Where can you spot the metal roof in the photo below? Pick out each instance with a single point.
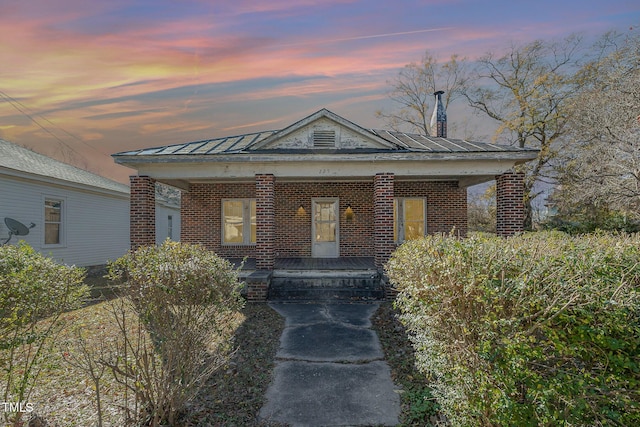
(20, 159)
(225, 145)
(400, 140)
(417, 142)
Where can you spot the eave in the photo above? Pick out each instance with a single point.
(467, 167)
(56, 182)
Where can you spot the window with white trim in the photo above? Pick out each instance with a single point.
(239, 221)
(409, 219)
(53, 221)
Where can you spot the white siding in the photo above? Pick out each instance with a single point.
(162, 222)
(303, 138)
(96, 226)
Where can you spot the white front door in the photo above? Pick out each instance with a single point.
(325, 229)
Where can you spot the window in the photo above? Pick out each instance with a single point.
(170, 226)
(53, 221)
(239, 221)
(408, 219)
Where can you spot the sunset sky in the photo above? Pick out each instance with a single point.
(82, 79)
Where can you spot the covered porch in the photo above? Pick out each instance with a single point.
(321, 195)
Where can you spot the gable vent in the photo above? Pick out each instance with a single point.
(324, 138)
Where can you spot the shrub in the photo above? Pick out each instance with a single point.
(184, 301)
(538, 329)
(34, 292)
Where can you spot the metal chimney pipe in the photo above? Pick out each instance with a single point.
(441, 116)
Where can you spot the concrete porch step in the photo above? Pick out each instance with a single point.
(318, 285)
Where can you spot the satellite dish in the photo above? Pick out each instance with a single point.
(16, 228)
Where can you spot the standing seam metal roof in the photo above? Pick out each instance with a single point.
(243, 143)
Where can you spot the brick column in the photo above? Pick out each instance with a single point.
(142, 211)
(265, 222)
(509, 203)
(383, 218)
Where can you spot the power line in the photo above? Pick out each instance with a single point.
(23, 109)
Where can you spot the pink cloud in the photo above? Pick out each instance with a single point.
(128, 84)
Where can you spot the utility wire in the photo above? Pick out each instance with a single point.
(23, 109)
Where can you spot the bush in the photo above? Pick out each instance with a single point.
(539, 329)
(185, 300)
(34, 292)
(589, 219)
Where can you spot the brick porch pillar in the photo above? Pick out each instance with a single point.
(509, 203)
(383, 218)
(258, 282)
(142, 211)
(265, 222)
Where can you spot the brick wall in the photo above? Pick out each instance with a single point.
(201, 211)
(293, 238)
(509, 203)
(142, 210)
(446, 204)
(200, 215)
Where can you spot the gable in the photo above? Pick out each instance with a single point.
(322, 134)
(323, 130)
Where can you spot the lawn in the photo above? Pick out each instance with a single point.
(65, 393)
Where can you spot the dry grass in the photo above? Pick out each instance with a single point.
(65, 394)
(418, 407)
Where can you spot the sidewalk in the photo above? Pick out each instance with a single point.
(330, 369)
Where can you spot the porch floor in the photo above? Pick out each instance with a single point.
(315, 279)
(344, 263)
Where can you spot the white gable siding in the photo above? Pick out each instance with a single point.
(303, 138)
(96, 226)
(162, 223)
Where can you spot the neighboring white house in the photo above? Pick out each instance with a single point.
(167, 219)
(80, 218)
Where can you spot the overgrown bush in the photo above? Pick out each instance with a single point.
(589, 219)
(185, 300)
(34, 292)
(539, 329)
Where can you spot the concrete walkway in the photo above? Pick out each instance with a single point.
(330, 369)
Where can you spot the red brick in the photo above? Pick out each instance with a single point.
(509, 203)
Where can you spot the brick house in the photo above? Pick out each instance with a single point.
(321, 188)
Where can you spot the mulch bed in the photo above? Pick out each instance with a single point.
(235, 394)
(418, 407)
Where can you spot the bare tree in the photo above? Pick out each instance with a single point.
(413, 90)
(602, 166)
(528, 91)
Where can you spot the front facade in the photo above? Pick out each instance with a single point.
(323, 219)
(323, 187)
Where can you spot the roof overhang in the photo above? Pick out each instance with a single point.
(468, 168)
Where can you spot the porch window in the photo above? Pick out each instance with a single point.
(409, 219)
(53, 221)
(239, 221)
